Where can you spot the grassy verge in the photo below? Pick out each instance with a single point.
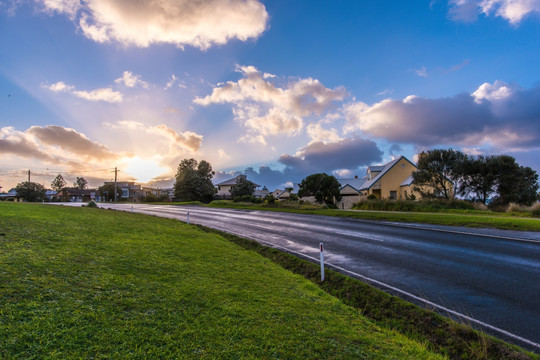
(91, 283)
(454, 218)
(454, 340)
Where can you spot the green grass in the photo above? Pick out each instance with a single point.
(468, 218)
(91, 283)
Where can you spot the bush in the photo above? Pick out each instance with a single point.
(248, 198)
(536, 210)
(426, 205)
(92, 204)
(269, 199)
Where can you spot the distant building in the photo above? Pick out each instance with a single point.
(77, 195)
(224, 187)
(130, 190)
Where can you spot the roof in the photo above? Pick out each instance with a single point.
(385, 169)
(355, 183)
(376, 168)
(408, 181)
(233, 181)
(76, 191)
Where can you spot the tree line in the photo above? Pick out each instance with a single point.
(495, 179)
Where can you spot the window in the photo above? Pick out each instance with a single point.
(393, 195)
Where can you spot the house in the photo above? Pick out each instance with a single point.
(261, 193)
(78, 195)
(350, 191)
(286, 194)
(157, 192)
(130, 190)
(224, 188)
(11, 195)
(392, 180)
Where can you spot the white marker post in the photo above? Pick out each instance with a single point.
(322, 262)
(188, 217)
(131, 208)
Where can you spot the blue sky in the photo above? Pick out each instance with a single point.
(277, 89)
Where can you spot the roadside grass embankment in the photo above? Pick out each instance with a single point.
(91, 283)
(441, 334)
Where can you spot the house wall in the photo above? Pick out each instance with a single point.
(347, 202)
(392, 180)
(224, 190)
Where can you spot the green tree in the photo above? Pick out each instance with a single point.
(80, 183)
(479, 177)
(325, 188)
(58, 183)
(107, 192)
(30, 191)
(515, 183)
(243, 187)
(440, 170)
(193, 181)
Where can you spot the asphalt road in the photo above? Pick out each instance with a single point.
(488, 278)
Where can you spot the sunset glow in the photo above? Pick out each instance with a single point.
(274, 89)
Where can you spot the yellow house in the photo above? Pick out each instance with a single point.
(392, 180)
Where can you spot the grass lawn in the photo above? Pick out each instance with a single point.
(90, 283)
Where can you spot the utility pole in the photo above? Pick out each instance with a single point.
(28, 175)
(115, 183)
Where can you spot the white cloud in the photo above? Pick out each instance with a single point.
(268, 109)
(512, 11)
(499, 90)
(421, 72)
(180, 22)
(223, 155)
(105, 94)
(318, 134)
(130, 80)
(59, 86)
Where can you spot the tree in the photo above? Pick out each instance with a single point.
(58, 183)
(107, 191)
(479, 177)
(193, 181)
(325, 188)
(30, 191)
(515, 183)
(242, 187)
(80, 183)
(439, 170)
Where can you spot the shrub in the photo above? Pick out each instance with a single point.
(269, 199)
(247, 198)
(514, 208)
(92, 204)
(150, 198)
(535, 210)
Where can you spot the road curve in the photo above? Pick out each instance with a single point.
(488, 278)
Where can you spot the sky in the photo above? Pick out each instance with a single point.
(277, 90)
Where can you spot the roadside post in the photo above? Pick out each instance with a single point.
(188, 217)
(322, 261)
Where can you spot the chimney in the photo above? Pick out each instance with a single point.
(356, 176)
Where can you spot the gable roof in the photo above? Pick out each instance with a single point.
(355, 183)
(234, 181)
(384, 170)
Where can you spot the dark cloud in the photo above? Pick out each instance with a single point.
(71, 141)
(495, 115)
(320, 157)
(22, 147)
(352, 154)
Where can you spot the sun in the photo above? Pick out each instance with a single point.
(143, 170)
